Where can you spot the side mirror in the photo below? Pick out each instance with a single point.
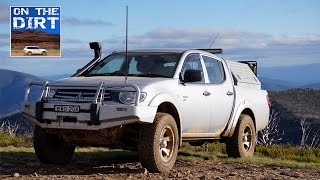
(192, 75)
(96, 46)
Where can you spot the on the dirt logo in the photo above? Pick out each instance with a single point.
(35, 31)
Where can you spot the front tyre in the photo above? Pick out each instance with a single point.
(158, 144)
(243, 141)
(51, 148)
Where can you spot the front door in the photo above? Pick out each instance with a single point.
(194, 102)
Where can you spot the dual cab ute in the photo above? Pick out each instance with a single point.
(149, 102)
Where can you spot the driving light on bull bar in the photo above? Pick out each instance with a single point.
(127, 97)
(51, 93)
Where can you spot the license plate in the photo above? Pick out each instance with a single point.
(68, 109)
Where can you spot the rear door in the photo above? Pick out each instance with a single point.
(220, 87)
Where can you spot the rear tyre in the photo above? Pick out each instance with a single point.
(158, 144)
(51, 148)
(29, 53)
(243, 141)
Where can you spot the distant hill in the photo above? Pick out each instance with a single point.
(312, 85)
(276, 85)
(56, 77)
(300, 74)
(294, 105)
(16, 118)
(280, 85)
(12, 89)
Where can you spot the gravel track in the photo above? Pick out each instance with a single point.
(31, 168)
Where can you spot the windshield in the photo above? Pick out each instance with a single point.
(140, 64)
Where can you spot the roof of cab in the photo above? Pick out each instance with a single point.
(168, 50)
(160, 50)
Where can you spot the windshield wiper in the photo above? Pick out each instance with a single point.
(107, 74)
(151, 75)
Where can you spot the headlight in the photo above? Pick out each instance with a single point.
(127, 97)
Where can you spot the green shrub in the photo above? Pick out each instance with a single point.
(17, 141)
(290, 153)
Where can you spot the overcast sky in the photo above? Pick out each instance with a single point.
(273, 32)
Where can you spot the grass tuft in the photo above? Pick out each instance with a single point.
(17, 141)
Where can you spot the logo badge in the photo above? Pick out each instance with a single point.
(80, 95)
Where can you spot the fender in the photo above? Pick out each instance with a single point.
(244, 104)
(164, 97)
(161, 98)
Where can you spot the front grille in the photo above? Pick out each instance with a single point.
(75, 95)
(78, 95)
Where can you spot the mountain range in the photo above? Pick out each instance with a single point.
(288, 77)
(13, 88)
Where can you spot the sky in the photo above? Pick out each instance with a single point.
(273, 32)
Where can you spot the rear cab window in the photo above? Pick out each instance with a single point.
(215, 70)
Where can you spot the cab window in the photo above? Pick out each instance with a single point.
(215, 70)
(193, 62)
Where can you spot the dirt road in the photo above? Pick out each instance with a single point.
(30, 168)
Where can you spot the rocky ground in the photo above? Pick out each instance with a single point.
(30, 168)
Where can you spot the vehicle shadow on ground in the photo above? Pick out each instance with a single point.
(83, 163)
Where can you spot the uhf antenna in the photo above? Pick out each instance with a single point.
(127, 60)
(214, 40)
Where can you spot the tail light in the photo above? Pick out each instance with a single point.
(268, 101)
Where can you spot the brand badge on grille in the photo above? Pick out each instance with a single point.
(79, 95)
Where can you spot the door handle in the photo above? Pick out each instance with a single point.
(206, 93)
(229, 93)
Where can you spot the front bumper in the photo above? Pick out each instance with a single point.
(91, 116)
(95, 114)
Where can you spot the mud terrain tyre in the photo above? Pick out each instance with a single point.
(50, 148)
(158, 144)
(243, 142)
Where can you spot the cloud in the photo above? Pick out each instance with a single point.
(270, 50)
(72, 41)
(85, 22)
(267, 49)
(4, 13)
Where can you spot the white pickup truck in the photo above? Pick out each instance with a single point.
(149, 101)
